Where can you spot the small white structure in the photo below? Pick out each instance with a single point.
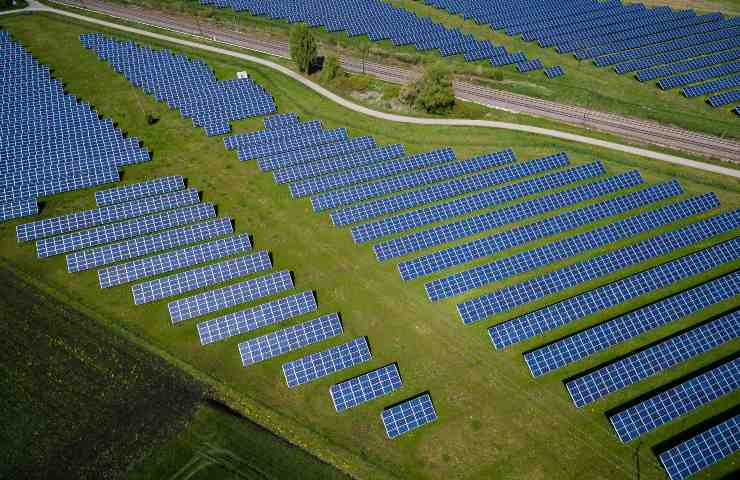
(242, 75)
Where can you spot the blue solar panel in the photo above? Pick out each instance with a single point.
(698, 75)
(668, 405)
(408, 415)
(281, 120)
(289, 339)
(262, 136)
(209, 275)
(257, 317)
(226, 297)
(713, 86)
(615, 293)
(366, 387)
(562, 249)
(486, 221)
(636, 367)
(105, 215)
(171, 261)
(725, 98)
(138, 247)
(556, 71)
(287, 144)
(446, 189)
(315, 153)
(47, 187)
(19, 208)
(496, 243)
(136, 191)
(326, 362)
(630, 325)
(702, 450)
(118, 231)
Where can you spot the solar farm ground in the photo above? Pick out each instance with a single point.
(584, 84)
(495, 420)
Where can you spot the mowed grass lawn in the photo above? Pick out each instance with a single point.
(495, 420)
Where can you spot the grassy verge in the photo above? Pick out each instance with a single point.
(584, 85)
(495, 421)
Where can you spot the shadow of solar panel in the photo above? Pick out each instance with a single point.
(365, 387)
(627, 371)
(315, 153)
(137, 191)
(17, 209)
(408, 415)
(326, 362)
(289, 339)
(445, 190)
(244, 321)
(669, 405)
(139, 247)
(502, 299)
(348, 195)
(286, 144)
(202, 277)
(578, 346)
(226, 297)
(119, 231)
(374, 172)
(702, 450)
(486, 221)
(245, 139)
(498, 242)
(171, 261)
(105, 215)
(615, 293)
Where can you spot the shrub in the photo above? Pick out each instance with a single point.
(303, 47)
(331, 69)
(391, 91)
(497, 75)
(435, 94)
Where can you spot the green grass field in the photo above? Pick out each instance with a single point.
(495, 420)
(583, 84)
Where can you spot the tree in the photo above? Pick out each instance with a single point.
(303, 47)
(435, 94)
(331, 69)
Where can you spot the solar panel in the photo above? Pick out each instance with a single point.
(365, 387)
(494, 244)
(281, 120)
(314, 153)
(289, 339)
(452, 231)
(571, 246)
(668, 405)
(244, 321)
(326, 362)
(286, 144)
(171, 261)
(118, 231)
(555, 71)
(19, 208)
(440, 191)
(139, 247)
(226, 297)
(580, 345)
(136, 191)
(179, 283)
(597, 384)
(702, 450)
(261, 136)
(73, 181)
(408, 415)
(105, 215)
(615, 293)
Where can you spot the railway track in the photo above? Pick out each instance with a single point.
(636, 130)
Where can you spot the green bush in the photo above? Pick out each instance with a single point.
(303, 47)
(497, 75)
(390, 92)
(331, 69)
(435, 91)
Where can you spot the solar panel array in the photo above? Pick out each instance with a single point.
(289, 143)
(615, 293)
(698, 75)
(230, 296)
(289, 339)
(702, 450)
(724, 98)
(620, 329)
(712, 87)
(314, 153)
(137, 191)
(51, 142)
(556, 71)
(189, 86)
(171, 261)
(408, 415)
(379, 21)
(180, 283)
(597, 384)
(365, 388)
(668, 405)
(261, 136)
(283, 120)
(326, 362)
(688, 66)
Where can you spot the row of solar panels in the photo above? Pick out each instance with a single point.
(50, 142)
(379, 21)
(397, 194)
(185, 85)
(165, 210)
